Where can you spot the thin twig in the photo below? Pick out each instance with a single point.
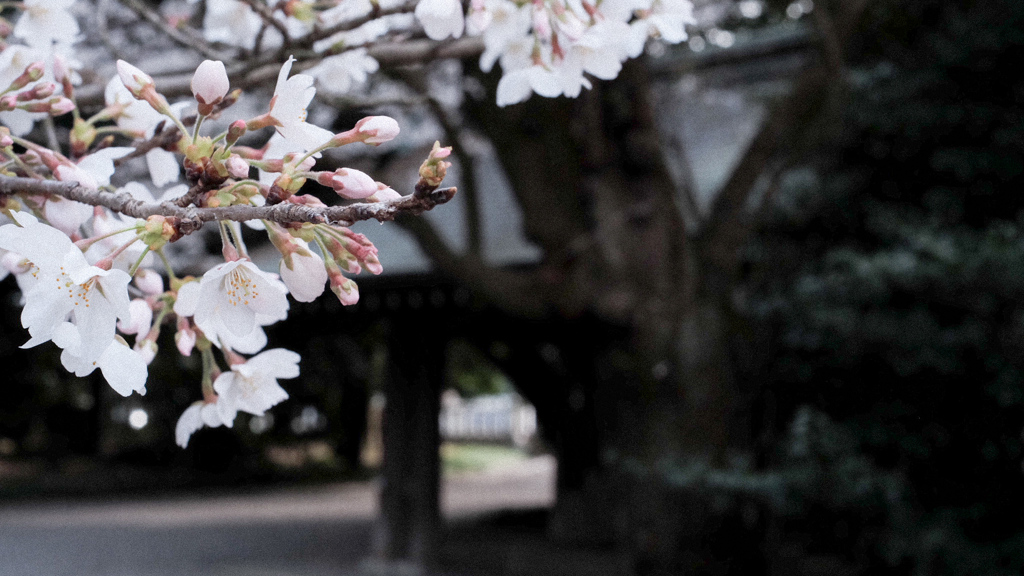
(189, 40)
(347, 25)
(267, 14)
(103, 30)
(474, 231)
(164, 136)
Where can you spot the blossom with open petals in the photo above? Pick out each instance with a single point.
(441, 18)
(252, 385)
(232, 301)
(66, 286)
(124, 369)
(46, 21)
(232, 22)
(140, 118)
(196, 416)
(288, 109)
(342, 73)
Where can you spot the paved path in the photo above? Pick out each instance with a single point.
(288, 532)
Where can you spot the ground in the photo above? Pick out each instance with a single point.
(495, 526)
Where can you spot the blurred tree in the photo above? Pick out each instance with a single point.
(634, 294)
(892, 271)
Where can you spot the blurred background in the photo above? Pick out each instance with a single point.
(754, 307)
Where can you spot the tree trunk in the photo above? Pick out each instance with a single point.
(661, 390)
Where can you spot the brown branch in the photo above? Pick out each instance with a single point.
(267, 14)
(729, 222)
(163, 137)
(347, 25)
(188, 40)
(193, 218)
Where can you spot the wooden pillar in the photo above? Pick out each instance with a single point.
(406, 534)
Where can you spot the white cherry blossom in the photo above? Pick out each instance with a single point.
(231, 301)
(94, 170)
(252, 385)
(343, 73)
(196, 416)
(303, 272)
(139, 117)
(288, 108)
(441, 18)
(66, 286)
(46, 21)
(507, 25)
(669, 18)
(231, 22)
(124, 369)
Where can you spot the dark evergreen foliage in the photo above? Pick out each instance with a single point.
(892, 274)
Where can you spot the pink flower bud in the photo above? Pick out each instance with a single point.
(148, 350)
(8, 102)
(384, 194)
(352, 184)
(373, 264)
(236, 131)
(35, 107)
(377, 129)
(346, 291)
(149, 282)
(134, 80)
(140, 318)
(33, 72)
(237, 167)
(541, 21)
(5, 138)
(61, 70)
(185, 337)
(210, 83)
(440, 153)
(43, 90)
(61, 106)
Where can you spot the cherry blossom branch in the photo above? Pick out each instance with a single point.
(163, 137)
(453, 134)
(192, 218)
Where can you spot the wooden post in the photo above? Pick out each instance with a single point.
(406, 534)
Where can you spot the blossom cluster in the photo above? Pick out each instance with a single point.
(96, 280)
(89, 279)
(547, 47)
(44, 35)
